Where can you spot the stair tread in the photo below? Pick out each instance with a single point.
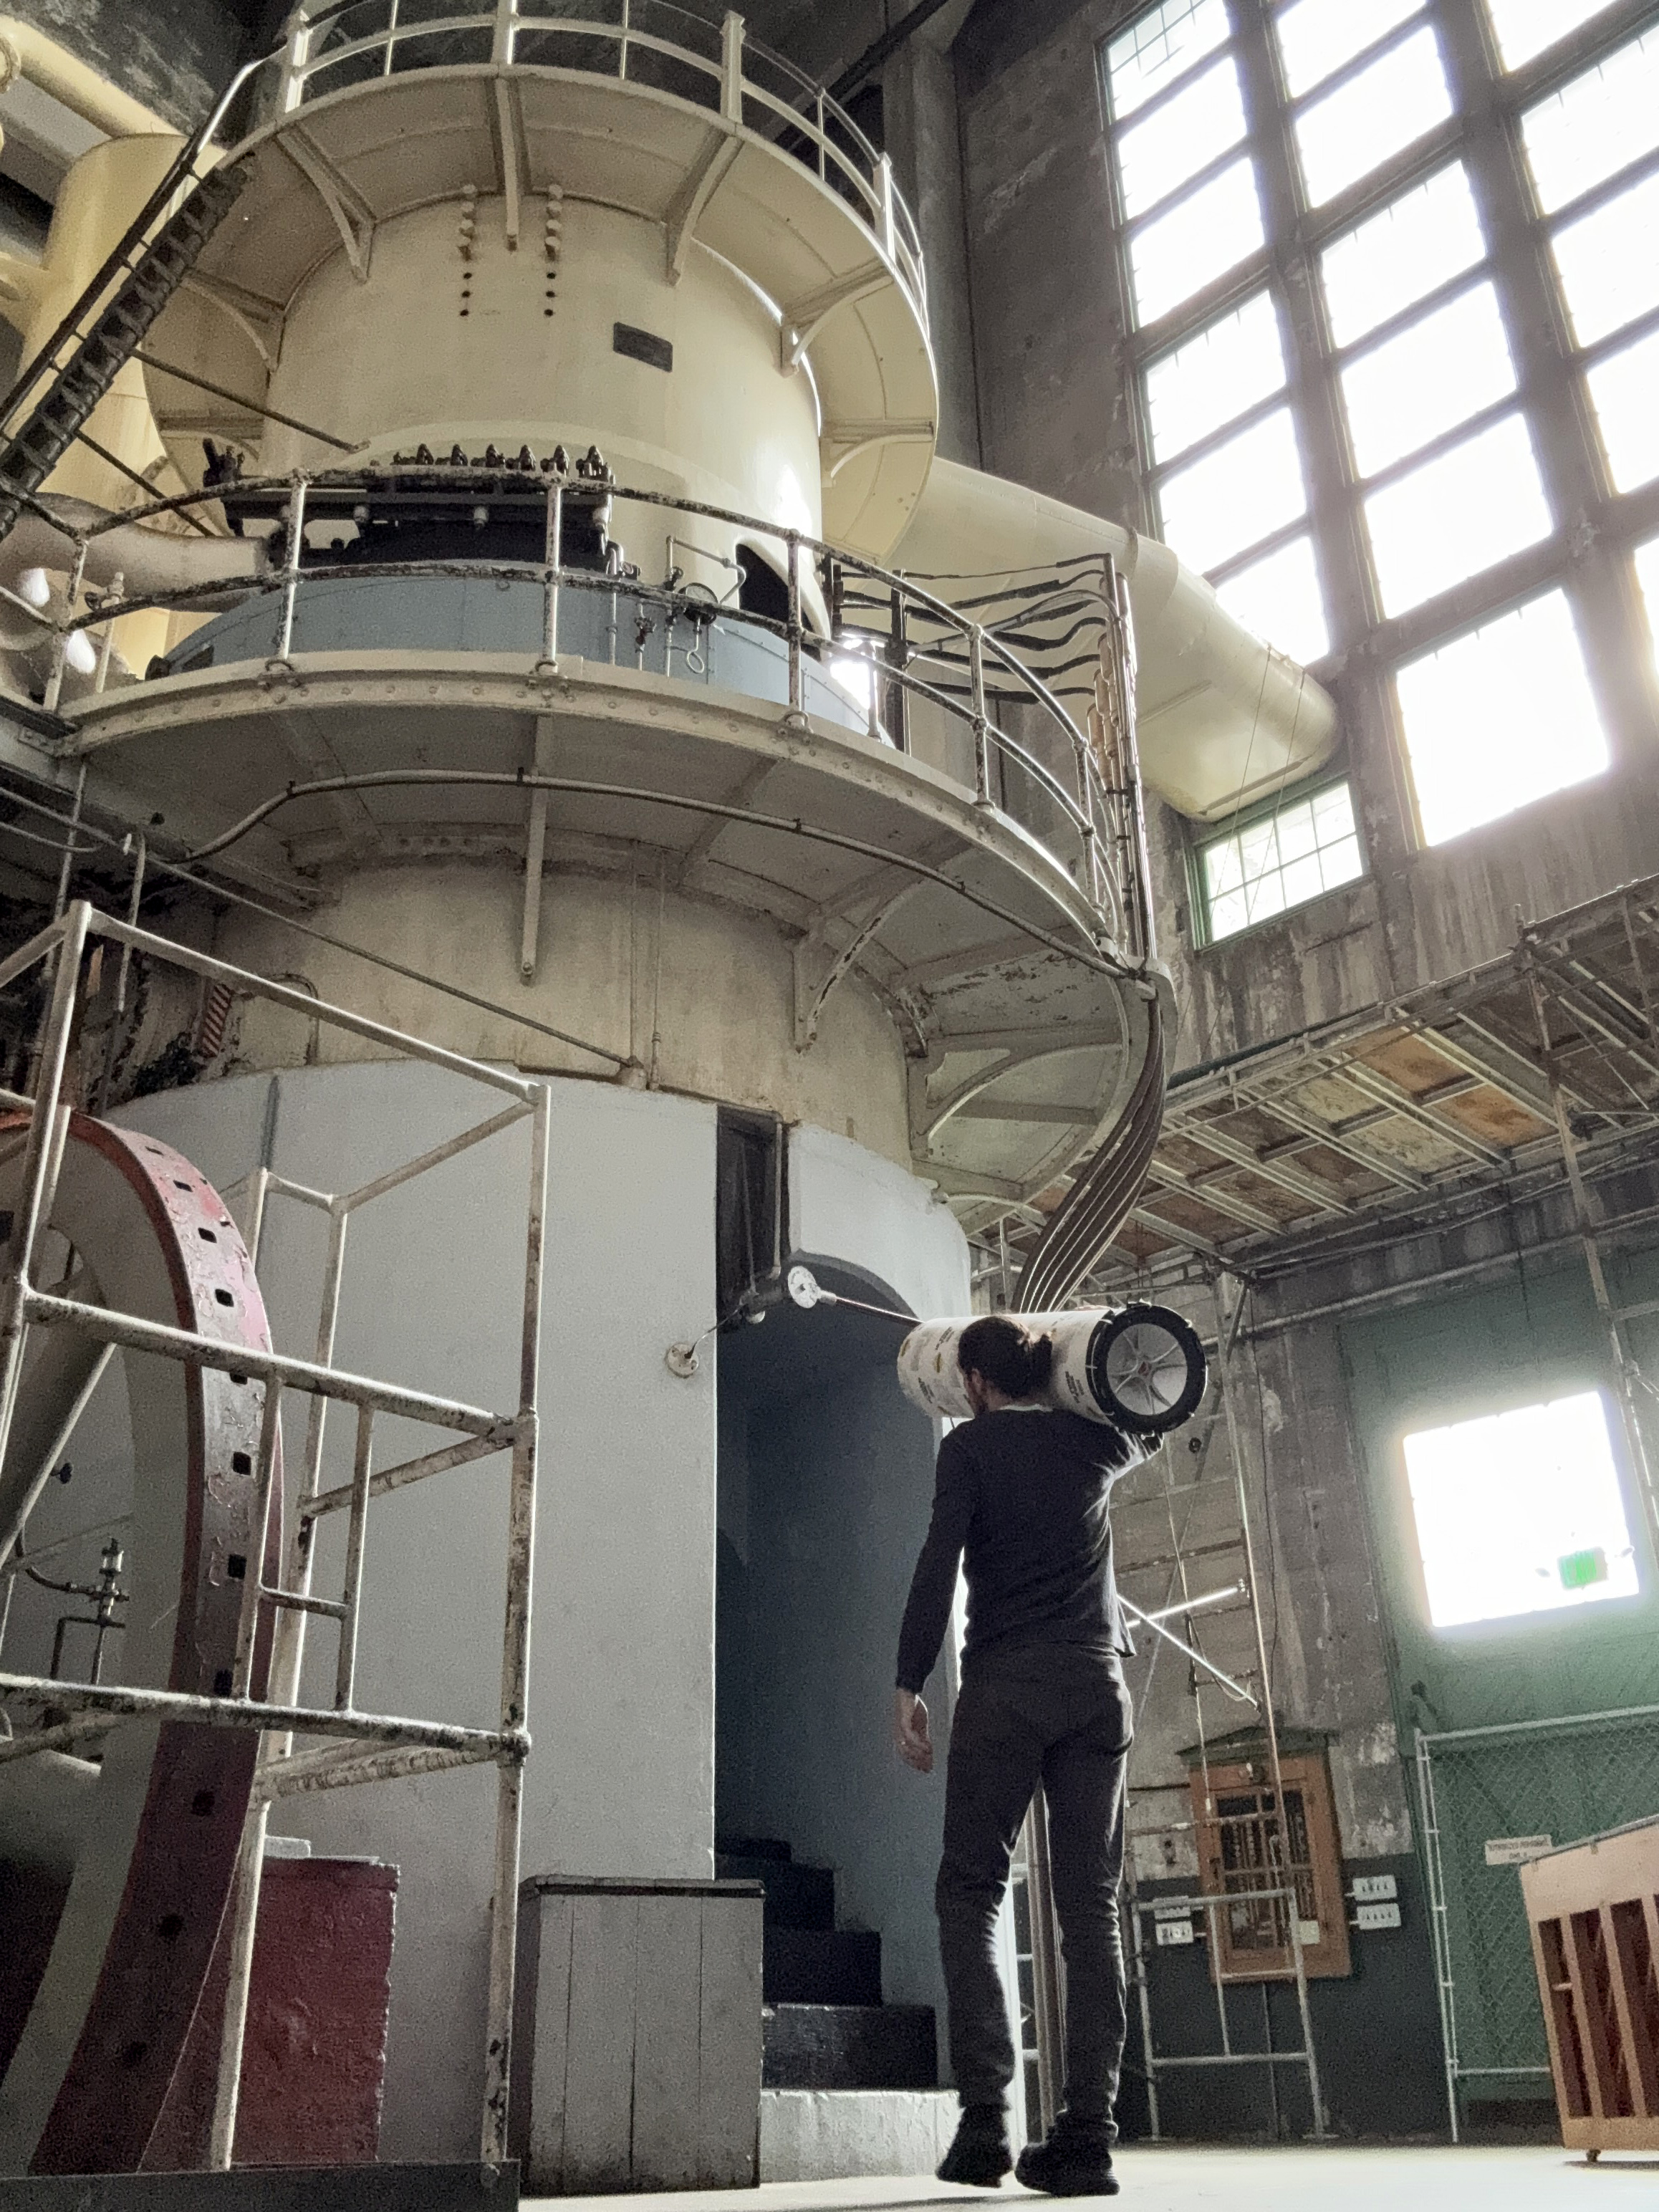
(839, 1966)
(809, 2046)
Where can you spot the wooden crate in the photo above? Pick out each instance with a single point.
(1593, 1911)
(636, 2047)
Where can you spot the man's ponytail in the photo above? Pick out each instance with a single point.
(1002, 1350)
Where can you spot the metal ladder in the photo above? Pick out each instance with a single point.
(108, 322)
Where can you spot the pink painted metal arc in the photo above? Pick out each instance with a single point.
(85, 2083)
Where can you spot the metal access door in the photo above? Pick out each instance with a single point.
(1483, 1794)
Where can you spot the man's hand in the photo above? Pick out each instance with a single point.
(911, 1735)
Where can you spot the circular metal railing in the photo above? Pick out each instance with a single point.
(652, 44)
(926, 675)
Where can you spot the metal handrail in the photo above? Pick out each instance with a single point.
(838, 143)
(1104, 852)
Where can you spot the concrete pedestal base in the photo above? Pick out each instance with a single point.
(833, 2135)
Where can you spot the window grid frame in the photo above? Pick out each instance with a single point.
(1266, 810)
(1596, 529)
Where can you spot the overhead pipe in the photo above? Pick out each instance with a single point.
(151, 563)
(27, 54)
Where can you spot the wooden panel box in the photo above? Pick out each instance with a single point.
(1594, 1910)
(636, 2047)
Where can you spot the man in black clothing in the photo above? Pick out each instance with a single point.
(1021, 1501)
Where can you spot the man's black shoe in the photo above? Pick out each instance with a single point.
(980, 2155)
(1076, 2160)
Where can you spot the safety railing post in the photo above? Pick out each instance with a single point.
(889, 235)
(981, 738)
(515, 1659)
(507, 31)
(38, 1152)
(1155, 2124)
(117, 584)
(553, 550)
(1293, 1908)
(731, 30)
(253, 1563)
(296, 52)
(54, 689)
(294, 548)
(345, 1670)
(621, 51)
(795, 693)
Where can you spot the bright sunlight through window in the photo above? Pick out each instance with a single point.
(1279, 598)
(1290, 856)
(1237, 495)
(1417, 243)
(1316, 37)
(1462, 512)
(1352, 131)
(1647, 575)
(1199, 239)
(1520, 1513)
(1499, 717)
(1429, 378)
(1214, 377)
(1621, 391)
(1158, 49)
(1595, 126)
(1525, 28)
(1609, 268)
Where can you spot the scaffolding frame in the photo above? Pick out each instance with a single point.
(372, 1746)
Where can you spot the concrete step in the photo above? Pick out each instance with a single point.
(796, 1896)
(850, 2047)
(834, 2134)
(823, 1966)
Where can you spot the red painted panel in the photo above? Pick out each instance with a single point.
(313, 2059)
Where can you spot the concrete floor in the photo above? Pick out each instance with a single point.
(1280, 2180)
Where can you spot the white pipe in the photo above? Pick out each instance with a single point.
(150, 561)
(28, 53)
(1224, 719)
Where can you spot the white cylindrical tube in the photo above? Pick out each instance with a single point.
(1138, 1367)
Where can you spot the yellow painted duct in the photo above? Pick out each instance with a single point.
(28, 53)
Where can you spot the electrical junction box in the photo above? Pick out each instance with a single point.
(1175, 1932)
(1374, 1888)
(1377, 1916)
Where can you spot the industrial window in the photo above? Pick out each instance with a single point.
(1499, 717)
(1282, 857)
(1526, 28)
(1376, 433)
(1520, 1512)
(1647, 575)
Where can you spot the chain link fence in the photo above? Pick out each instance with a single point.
(1489, 1797)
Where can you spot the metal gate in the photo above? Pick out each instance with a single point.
(1485, 1793)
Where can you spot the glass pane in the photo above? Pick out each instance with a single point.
(1647, 575)
(1522, 1512)
(1180, 138)
(1229, 367)
(1309, 846)
(1610, 262)
(1279, 599)
(1345, 136)
(1525, 28)
(1417, 243)
(1318, 36)
(1498, 718)
(1595, 126)
(1456, 514)
(1625, 393)
(1243, 491)
(1203, 236)
(1430, 378)
(1160, 46)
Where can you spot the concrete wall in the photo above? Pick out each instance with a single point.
(176, 56)
(622, 1699)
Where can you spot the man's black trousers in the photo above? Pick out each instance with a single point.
(1059, 1716)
